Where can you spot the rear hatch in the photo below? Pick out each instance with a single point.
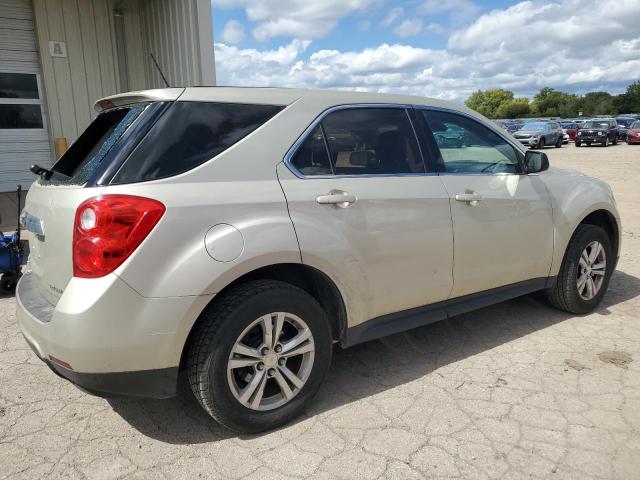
(51, 203)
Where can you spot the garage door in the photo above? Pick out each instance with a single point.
(23, 130)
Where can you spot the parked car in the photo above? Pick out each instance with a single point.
(598, 130)
(623, 125)
(633, 134)
(571, 129)
(514, 127)
(237, 234)
(540, 134)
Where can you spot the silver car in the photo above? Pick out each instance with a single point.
(236, 234)
(540, 134)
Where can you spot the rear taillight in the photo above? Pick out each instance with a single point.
(108, 229)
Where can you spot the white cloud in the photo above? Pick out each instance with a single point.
(523, 48)
(409, 28)
(458, 10)
(296, 18)
(233, 32)
(392, 16)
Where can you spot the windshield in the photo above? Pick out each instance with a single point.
(595, 124)
(625, 122)
(534, 126)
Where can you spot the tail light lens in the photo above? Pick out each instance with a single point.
(108, 229)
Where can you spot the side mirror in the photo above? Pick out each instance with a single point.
(535, 162)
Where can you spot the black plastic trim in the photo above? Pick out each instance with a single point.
(420, 316)
(160, 383)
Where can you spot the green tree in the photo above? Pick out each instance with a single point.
(487, 102)
(516, 108)
(597, 103)
(553, 103)
(629, 102)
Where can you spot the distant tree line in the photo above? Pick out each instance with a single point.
(548, 102)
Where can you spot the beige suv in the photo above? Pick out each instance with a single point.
(237, 234)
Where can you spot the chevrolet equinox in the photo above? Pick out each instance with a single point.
(236, 234)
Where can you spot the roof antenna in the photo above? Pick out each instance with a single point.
(155, 62)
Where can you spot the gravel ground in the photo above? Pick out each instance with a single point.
(517, 390)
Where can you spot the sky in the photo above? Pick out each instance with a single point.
(436, 48)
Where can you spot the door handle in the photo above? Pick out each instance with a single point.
(471, 198)
(338, 198)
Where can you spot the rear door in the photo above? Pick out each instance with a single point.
(502, 220)
(367, 213)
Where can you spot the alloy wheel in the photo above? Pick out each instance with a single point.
(592, 268)
(271, 361)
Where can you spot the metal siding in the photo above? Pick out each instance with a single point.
(180, 40)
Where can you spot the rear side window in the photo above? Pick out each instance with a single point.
(85, 154)
(188, 135)
(361, 141)
(312, 158)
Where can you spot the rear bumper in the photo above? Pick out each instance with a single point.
(105, 337)
(159, 383)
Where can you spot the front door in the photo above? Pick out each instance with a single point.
(367, 213)
(502, 219)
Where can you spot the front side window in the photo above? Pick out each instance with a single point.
(188, 135)
(467, 146)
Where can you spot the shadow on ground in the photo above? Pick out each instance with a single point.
(376, 366)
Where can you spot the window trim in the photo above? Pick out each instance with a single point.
(288, 158)
(422, 133)
(429, 138)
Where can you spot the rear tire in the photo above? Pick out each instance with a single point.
(226, 326)
(565, 294)
(615, 141)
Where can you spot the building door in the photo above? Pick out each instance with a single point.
(24, 139)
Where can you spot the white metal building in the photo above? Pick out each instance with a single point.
(58, 56)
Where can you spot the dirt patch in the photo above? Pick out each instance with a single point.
(576, 365)
(619, 359)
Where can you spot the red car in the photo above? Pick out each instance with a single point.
(633, 134)
(571, 129)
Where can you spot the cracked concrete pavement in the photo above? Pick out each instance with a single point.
(517, 390)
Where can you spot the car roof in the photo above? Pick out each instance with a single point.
(272, 96)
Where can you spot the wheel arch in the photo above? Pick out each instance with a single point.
(313, 281)
(607, 221)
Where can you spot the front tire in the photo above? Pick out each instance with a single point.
(541, 144)
(606, 142)
(559, 142)
(585, 272)
(258, 355)
(578, 143)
